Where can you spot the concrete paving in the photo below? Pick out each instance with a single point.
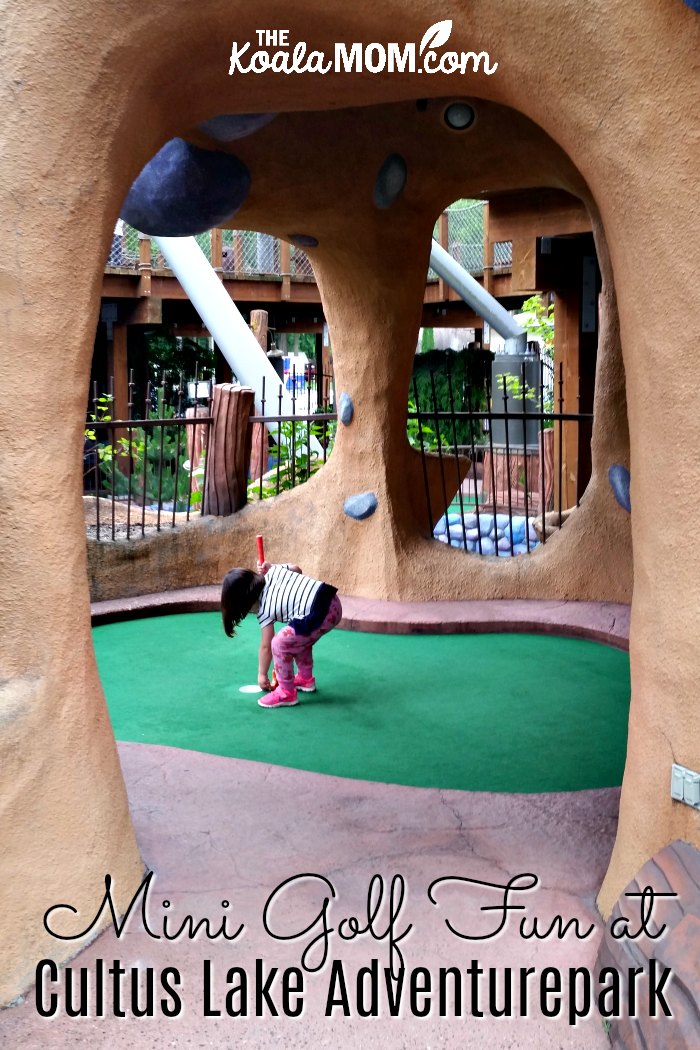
(216, 830)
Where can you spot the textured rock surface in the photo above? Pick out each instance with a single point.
(185, 190)
(676, 869)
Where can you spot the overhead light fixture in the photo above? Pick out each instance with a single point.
(459, 116)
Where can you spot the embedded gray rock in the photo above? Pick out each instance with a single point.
(228, 127)
(390, 181)
(619, 478)
(360, 506)
(303, 240)
(346, 410)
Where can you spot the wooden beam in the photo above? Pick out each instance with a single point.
(146, 311)
(455, 317)
(501, 287)
(536, 213)
(259, 438)
(299, 324)
(567, 321)
(524, 266)
(117, 369)
(144, 252)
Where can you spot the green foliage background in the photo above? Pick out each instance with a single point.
(468, 371)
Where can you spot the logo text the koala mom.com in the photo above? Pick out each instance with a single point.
(426, 57)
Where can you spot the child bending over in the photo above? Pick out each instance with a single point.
(307, 607)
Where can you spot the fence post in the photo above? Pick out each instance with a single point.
(237, 251)
(258, 457)
(286, 269)
(488, 251)
(228, 449)
(217, 252)
(444, 242)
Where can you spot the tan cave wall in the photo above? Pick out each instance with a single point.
(90, 92)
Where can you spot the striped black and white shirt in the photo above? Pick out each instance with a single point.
(286, 596)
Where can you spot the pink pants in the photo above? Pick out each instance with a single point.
(288, 646)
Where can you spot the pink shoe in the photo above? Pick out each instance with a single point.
(278, 698)
(305, 685)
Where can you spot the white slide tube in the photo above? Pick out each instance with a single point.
(226, 325)
(481, 301)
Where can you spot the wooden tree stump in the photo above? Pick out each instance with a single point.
(228, 451)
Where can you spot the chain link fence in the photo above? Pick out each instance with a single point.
(503, 253)
(204, 242)
(300, 264)
(124, 250)
(249, 252)
(465, 234)
(245, 251)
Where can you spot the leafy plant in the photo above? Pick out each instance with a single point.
(515, 389)
(147, 465)
(517, 393)
(197, 474)
(104, 450)
(417, 429)
(427, 341)
(539, 321)
(302, 343)
(296, 461)
(177, 354)
(465, 373)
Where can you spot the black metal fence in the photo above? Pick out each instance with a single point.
(502, 495)
(288, 448)
(148, 471)
(506, 477)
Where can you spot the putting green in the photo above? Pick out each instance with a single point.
(489, 712)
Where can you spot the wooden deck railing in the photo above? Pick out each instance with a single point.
(462, 229)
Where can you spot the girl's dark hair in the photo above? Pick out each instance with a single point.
(240, 589)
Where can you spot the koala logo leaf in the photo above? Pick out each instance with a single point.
(436, 35)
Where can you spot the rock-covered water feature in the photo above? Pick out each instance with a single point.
(500, 534)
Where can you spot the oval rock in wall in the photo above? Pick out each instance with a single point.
(346, 409)
(390, 181)
(360, 506)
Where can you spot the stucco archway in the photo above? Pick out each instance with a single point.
(63, 174)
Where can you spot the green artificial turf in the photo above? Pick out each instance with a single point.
(489, 712)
